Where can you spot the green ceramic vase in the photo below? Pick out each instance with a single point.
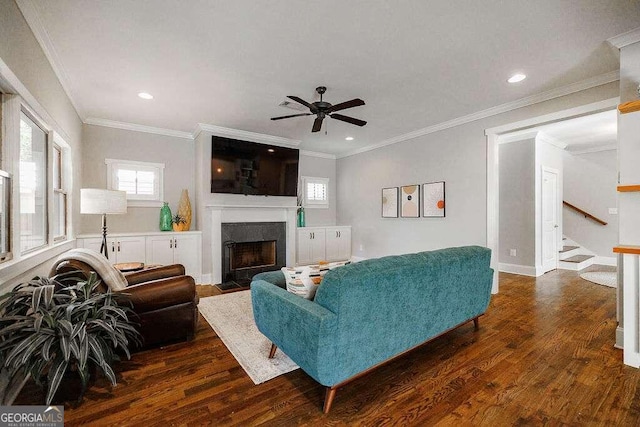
(166, 223)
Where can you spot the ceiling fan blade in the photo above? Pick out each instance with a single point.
(347, 104)
(317, 125)
(348, 119)
(293, 115)
(303, 102)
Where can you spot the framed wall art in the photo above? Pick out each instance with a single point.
(410, 201)
(390, 202)
(433, 200)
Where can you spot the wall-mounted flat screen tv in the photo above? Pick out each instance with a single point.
(243, 167)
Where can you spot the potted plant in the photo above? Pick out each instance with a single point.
(179, 223)
(63, 325)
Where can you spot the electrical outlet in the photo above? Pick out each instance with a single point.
(512, 252)
(361, 248)
(613, 211)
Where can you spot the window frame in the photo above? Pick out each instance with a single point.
(137, 200)
(60, 190)
(47, 183)
(308, 203)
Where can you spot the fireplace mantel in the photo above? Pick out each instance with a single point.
(232, 213)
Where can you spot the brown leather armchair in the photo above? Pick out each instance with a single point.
(164, 300)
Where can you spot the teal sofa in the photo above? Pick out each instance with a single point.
(366, 313)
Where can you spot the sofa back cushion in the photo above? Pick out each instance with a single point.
(390, 304)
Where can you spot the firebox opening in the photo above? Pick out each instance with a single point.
(253, 254)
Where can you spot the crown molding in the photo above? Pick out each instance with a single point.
(31, 15)
(625, 39)
(245, 135)
(137, 128)
(317, 154)
(510, 106)
(609, 147)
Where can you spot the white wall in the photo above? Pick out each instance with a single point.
(177, 154)
(517, 202)
(22, 58)
(322, 168)
(629, 147)
(590, 181)
(458, 156)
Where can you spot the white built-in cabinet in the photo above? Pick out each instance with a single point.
(176, 249)
(152, 248)
(121, 249)
(323, 244)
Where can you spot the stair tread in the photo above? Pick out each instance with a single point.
(568, 248)
(578, 258)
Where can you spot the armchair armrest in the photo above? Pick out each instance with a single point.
(303, 329)
(154, 274)
(161, 293)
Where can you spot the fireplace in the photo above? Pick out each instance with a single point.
(252, 255)
(249, 248)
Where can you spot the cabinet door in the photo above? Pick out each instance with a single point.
(129, 249)
(304, 247)
(338, 243)
(344, 247)
(186, 252)
(318, 246)
(160, 250)
(332, 245)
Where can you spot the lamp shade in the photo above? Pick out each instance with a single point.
(99, 201)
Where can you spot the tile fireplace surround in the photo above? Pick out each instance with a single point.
(247, 213)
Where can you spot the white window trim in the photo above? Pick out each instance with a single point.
(132, 199)
(315, 204)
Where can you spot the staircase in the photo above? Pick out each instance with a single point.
(573, 256)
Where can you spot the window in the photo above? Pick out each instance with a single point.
(316, 192)
(142, 181)
(33, 185)
(59, 220)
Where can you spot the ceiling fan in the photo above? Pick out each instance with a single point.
(323, 109)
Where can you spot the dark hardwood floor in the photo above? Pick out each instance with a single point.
(543, 356)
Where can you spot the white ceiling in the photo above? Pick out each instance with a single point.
(230, 63)
(594, 132)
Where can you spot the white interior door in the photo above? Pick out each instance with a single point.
(550, 217)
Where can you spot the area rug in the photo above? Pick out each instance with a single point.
(604, 278)
(231, 316)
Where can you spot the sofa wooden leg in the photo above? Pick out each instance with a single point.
(328, 399)
(476, 323)
(272, 352)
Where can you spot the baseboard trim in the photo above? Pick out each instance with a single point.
(206, 279)
(522, 270)
(606, 260)
(619, 338)
(357, 258)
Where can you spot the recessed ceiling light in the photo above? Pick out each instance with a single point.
(517, 78)
(349, 138)
(145, 95)
(271, 150)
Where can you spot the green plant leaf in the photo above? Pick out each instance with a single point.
(56, 372)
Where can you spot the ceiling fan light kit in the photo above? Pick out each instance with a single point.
(322, 109)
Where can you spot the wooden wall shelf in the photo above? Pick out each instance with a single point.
(629, 107)
(627, 249)
(628, 188)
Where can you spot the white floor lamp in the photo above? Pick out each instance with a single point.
(103, 202)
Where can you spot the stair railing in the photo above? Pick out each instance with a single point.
(585, 213)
